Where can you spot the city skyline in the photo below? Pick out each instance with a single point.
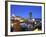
(23, 11)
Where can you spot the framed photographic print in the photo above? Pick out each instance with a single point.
(24, 18)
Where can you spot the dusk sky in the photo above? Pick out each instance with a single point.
(23, 11)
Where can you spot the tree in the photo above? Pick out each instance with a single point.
(25, 20)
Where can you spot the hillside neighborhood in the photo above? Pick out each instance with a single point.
(25, 24)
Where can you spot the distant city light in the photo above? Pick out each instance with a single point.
(35, 22)
(13, 15)
(33, 19)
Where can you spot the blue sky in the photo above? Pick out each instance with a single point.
(23, 11)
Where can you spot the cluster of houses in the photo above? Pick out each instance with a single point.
(21, 24)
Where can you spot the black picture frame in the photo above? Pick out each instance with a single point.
(6, 18)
